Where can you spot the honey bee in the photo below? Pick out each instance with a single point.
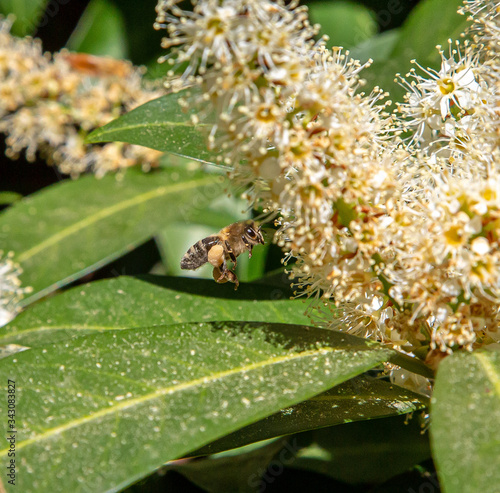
(227, 244)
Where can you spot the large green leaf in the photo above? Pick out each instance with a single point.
(465, 423)
(100, 31)
(141, 397)
(72, 227)
(27, 13)
(366, 452)
(125, 302)
(358, 399)
(162, 125)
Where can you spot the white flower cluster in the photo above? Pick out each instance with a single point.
(397, 233)
(450, 269)
(48, 104)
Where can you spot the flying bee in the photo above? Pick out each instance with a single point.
(227, 244)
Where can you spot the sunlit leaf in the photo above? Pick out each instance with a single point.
(162, 125)
(69, 229)
(28, 14)
(439, 20)
(141, 397)
(358, 399)
(9, 197)
(100, 31)
(125, 302)
(346, 23)
(465, 422)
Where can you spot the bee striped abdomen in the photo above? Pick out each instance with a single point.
(197, 255)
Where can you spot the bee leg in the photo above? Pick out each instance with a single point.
(222, 275)
(222, 270)
(231, 254)
(245, 241)
(219, 276)
(231, 276)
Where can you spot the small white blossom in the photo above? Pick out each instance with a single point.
(11, 291)
(49, 103)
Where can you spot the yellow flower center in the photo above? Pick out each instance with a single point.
(265, 114)
(216, 24)
(446, 86)
(454, 236)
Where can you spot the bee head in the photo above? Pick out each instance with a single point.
(253, 234)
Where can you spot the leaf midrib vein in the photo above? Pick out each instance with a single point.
(109, 211)
(137, 126)
(170, 390)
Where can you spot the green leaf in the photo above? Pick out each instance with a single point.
(125, 302)
(233, 470)
(28, 14)
(346, 23)
(69, 229)
(465, 426)
(144, 396)
(162, 125)
(252, 269)
(438, 17)
(366, 452)
(100, 31)
(9, 197)
(358, 399)
(378, 47)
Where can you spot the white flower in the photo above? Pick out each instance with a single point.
(441, 101)
(454, 84)
(10, 289)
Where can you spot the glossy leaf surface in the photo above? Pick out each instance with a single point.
(466, 422)
(125, 302)
(73, 227)
(358, 399)
(162, 125)
(144, 396)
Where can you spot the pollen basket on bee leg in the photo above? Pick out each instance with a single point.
(216, 255)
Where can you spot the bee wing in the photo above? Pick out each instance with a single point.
(197, 255)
